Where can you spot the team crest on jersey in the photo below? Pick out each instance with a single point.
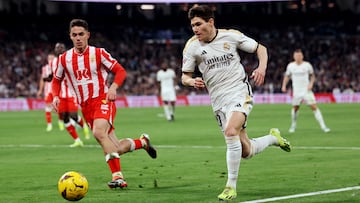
(104, 101)
(92, 58)
(226, 46)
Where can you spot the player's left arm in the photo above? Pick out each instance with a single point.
(312, 81)
(258, 75)
(120, 75)
(175, 80)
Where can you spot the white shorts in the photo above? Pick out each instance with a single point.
(168, 95)
(222, 115)
(308, 98)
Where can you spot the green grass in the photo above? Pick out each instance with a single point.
(191, 157)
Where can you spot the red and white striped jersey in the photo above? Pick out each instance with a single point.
(45, 73)
(53, 64)
(86, 73)
(65, 91)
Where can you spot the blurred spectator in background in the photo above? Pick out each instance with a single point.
(332, 38)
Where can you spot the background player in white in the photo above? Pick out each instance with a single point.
(302, 75)
(166, 76)
(215, 53)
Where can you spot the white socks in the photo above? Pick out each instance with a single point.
(259, 144)
(319, 118)
(233, 158)
(167, 111)
(293, 118)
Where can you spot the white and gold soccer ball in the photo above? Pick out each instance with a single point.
(73, 186)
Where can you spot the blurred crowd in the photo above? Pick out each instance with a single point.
(333, 48)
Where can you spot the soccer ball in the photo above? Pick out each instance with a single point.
(73, 186)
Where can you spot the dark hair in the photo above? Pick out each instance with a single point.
(202, 11)
(80, 23)
(298, 50)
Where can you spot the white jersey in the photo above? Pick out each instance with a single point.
(166, 79)
(299, 74)
(219, 63)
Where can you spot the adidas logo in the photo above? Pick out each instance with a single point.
(203, 52)
(238, 105)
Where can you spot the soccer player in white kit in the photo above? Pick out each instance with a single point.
(214, 52)
(166, 76)
(302, 75)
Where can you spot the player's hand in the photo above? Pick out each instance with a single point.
(111, 95)
(55, 103)
(283, 89)
(258, 75)
(38, 94)
(309, 87)
(199, 83)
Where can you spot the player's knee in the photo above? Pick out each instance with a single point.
(231, 132)
(246, 154)
(99, 133)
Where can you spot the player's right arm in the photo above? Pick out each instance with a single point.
(188, 65)
(286, 78)
(41, 88)
(56, 83)
(284, 83)
(188, 80)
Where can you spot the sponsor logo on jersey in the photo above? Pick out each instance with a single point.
(219, 61)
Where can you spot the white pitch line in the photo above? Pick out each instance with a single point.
(211, 147)
(303, 195)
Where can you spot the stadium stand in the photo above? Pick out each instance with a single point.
(330, 38)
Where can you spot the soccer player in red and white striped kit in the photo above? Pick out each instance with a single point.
(68, 107)
(45, 89)
(86, 69)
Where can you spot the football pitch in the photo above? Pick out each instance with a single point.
(322, 167)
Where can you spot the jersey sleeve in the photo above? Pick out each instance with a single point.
(158, 76)
(311, 69)
(288, 72)
(106, 59)
(189, 59)
(58, 69)
(46, 71)
(245, 43)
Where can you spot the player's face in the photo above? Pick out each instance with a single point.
(50, 57)
(163, 66)
(79, 36)
(59, 48)
(298, 57)
(202, 29)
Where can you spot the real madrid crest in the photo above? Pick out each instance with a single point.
(226, 46)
